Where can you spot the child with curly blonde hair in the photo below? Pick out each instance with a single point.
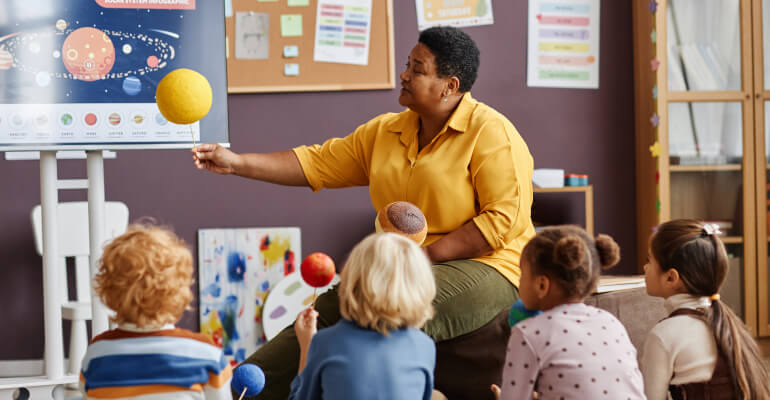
(570, 350)
(145, 276)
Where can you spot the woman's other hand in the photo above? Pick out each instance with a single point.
(215, 158)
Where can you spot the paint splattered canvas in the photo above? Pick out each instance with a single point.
(236, 270)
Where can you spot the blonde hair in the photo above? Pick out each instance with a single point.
(387, 283)
(145, 276)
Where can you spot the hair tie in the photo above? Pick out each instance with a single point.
(711, 229)
(714, 297)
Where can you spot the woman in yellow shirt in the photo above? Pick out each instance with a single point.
(462, 163)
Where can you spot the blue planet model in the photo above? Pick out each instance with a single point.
(132, 85)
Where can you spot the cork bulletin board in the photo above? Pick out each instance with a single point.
(271, 45)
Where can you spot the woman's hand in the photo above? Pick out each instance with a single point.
(305, 327)
(215, 158)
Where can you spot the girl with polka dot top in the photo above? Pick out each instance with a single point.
(570, 350)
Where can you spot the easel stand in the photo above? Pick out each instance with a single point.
(51, 384)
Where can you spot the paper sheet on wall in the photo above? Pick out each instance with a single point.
(252, 35)
(563, 44)
(453, 12)
(343, 29)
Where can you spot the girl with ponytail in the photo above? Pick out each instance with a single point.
(702, 349)
(570, 350)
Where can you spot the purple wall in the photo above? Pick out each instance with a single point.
(588, 131)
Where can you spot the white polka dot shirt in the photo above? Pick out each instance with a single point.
(572, 351)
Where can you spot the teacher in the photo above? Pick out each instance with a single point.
(469, 171)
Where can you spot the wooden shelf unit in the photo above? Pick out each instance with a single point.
(706, 168)
(588, 193)
(729, 191)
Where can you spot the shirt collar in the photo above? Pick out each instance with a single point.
(129, 327)
(409, 122)
(685, 300)
(462, 116)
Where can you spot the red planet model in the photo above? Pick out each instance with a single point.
(317, 269)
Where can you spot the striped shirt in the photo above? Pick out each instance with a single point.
(166, 363)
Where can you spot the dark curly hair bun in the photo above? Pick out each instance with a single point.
(570, 252)
(609, 251)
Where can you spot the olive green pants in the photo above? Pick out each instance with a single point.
(469, 295)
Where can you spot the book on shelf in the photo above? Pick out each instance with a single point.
(611, 283)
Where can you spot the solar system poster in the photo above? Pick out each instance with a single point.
(82, 74)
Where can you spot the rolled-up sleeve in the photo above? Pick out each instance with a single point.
(501, 170)
(338, 162)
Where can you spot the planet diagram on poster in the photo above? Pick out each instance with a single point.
(87, 54)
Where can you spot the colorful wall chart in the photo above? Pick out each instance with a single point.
(237, 268)
(453, 12)
(343, 31)
(563, 45)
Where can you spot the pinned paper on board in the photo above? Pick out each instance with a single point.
(343, 30)
(291, 25)
(299, 3)
(237, 269)
(563, 44)
(456, 13)
(290, 51)
(252, 35)
(291, 69)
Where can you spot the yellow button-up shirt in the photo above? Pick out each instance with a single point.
(477, 168)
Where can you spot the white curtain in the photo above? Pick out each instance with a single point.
(703, 46)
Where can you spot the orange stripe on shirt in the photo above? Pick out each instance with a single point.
(117, 392)
(217, 381)
(116, 334)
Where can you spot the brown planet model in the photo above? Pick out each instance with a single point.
(404, 218)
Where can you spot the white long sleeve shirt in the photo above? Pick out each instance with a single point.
(678, 350)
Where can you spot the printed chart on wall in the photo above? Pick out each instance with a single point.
(563, 45)
(453, 12)
(83, 74)
(342, 31)
(237, 268)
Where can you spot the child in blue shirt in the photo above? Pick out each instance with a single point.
(376, 351)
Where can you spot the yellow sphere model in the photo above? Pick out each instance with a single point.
(184, 96)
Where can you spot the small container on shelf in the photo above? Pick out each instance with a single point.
(575, 180)
(548, 178)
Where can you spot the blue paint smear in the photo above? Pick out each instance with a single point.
(213, 289)
(228, 315)
(240, 355)
(236, 266)
(265, 286)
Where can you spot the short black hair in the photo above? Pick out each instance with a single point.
(456, 54)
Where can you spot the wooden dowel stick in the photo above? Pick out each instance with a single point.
(314, 293)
